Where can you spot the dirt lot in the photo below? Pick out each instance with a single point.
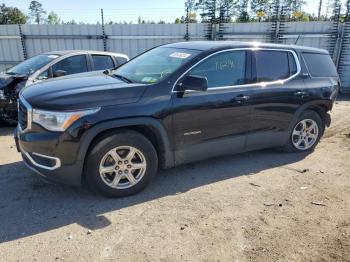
(249, 207)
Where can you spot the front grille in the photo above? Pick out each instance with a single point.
(22, 115)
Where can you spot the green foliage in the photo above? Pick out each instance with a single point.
(53, 19)
(260, 8)
(36, 11)
(177, 21)
(11, 15)
(211, 9)
(243, 16)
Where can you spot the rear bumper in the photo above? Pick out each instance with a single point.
(46, 165)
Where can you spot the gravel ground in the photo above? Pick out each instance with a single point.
(258, 206)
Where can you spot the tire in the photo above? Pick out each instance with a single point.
(307, 117)
(102, 157)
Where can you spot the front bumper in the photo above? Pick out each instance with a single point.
(37, 154)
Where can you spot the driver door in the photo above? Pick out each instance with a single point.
(214, 122)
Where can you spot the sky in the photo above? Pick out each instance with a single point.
(88, 11)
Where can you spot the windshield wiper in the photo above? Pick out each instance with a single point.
(10, 73)
(123, 78)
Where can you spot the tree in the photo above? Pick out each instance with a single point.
(36, 11)
(11, 15)
(319, 10)
(53, 18)
(260, 8)
(177, 21)
(243, 11)
(72, 22)
(192, 17)
(295, 5)
(211, 9)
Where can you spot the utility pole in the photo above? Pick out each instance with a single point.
(319, 10)
(187, 35)
(104, 38)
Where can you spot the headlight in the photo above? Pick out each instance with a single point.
(59, 121)
(2, 94)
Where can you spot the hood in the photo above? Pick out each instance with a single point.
(9, 82)
(81, 91)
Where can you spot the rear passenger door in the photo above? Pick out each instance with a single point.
(102, 62)
(275, 97)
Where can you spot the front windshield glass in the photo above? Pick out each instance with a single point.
(31, 65)
(156, 64)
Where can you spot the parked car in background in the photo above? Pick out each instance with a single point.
(175, 104)
(46, 66)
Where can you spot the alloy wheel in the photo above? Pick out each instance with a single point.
(122, 167)
(305, 134)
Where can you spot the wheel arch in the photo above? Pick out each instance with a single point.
(151, 128)
(321, 107)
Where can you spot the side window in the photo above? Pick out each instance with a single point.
(72, 65)
(120, 60)
(271, 65)
(320, 65)
(224, 69)
(44, 75)
(102, 62)
(292, 65)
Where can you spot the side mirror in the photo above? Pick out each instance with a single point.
(59, 73)
(193, 83)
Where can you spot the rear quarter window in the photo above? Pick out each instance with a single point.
(320, 65)
(121, 60)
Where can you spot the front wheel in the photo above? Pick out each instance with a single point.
(306, 132)
(121, 164)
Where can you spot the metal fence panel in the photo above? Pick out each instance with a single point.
(133, 39)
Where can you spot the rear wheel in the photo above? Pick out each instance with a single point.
(121, 164)
(305, 133)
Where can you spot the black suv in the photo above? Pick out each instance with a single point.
(175, 104)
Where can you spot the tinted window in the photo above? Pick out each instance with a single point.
(292, 65)
(102, 62)
(44, 75)
(72, 65)
(121, 60)
(224, 69)
(320, 64)
(32, 64)
(155, 64)
(272, 65)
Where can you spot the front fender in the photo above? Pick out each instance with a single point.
(152, 123)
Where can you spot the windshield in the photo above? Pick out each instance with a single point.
(31, 65)
(156, 64)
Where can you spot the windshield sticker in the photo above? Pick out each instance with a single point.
(180, 55)
(53, 56)
(147, 79)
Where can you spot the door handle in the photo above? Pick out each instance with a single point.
(301, 93)
(241, 98)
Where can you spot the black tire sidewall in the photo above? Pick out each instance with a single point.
(108, 142)
(309, 114)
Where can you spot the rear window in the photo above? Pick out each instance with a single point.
(320, 65)
(274, 65)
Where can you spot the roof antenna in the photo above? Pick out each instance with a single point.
(296, 41)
